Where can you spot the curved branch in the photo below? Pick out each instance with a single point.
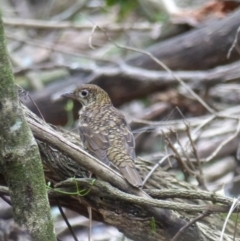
(63, 158)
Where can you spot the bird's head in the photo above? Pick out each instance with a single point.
(89, 94)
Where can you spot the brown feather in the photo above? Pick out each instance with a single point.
(131, 174)
(95, 143)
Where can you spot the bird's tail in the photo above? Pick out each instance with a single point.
(130, 172)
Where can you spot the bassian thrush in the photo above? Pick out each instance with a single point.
(105, 132)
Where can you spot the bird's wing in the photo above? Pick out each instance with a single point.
(128, 136)
(95, 142)
(130, 142)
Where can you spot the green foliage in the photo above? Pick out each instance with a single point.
(125, 7)
(233, 217)
(78, 192)
(146, 101)
(69, 106)
(69, 109)
(160, 17)
(153, 225)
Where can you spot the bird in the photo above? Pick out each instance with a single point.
(104, 131)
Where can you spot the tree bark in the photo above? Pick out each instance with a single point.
(131, 214)
(20, 160)
(198, 49)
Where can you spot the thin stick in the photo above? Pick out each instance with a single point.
(66, 221)
(154, 168)
(200, 176)
(184, 228)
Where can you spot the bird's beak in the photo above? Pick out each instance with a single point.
(69, 95)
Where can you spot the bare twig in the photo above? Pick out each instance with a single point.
(52, 47)
(235, 228)
(200, 177)
(233, 206)
(6, 199)
(142, 201)
(185, 169)
(224, 143)
(180, 232)
(26, 94)
(190, 195)
(234, 43)
(191, 169)
(90, 223)
(170, 193)
(154, 168)
(66, 221)
(56, 25)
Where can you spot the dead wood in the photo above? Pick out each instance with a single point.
(120, 82)
(132, 216)
(198, 49)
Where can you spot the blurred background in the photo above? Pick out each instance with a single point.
(55, 46)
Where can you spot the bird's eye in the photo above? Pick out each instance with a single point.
(84, 93)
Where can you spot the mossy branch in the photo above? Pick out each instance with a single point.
(20, 159)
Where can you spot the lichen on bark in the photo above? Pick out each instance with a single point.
(20, 160)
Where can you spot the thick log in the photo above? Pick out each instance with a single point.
(198, 49)
(112, 206)
(114, 202)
